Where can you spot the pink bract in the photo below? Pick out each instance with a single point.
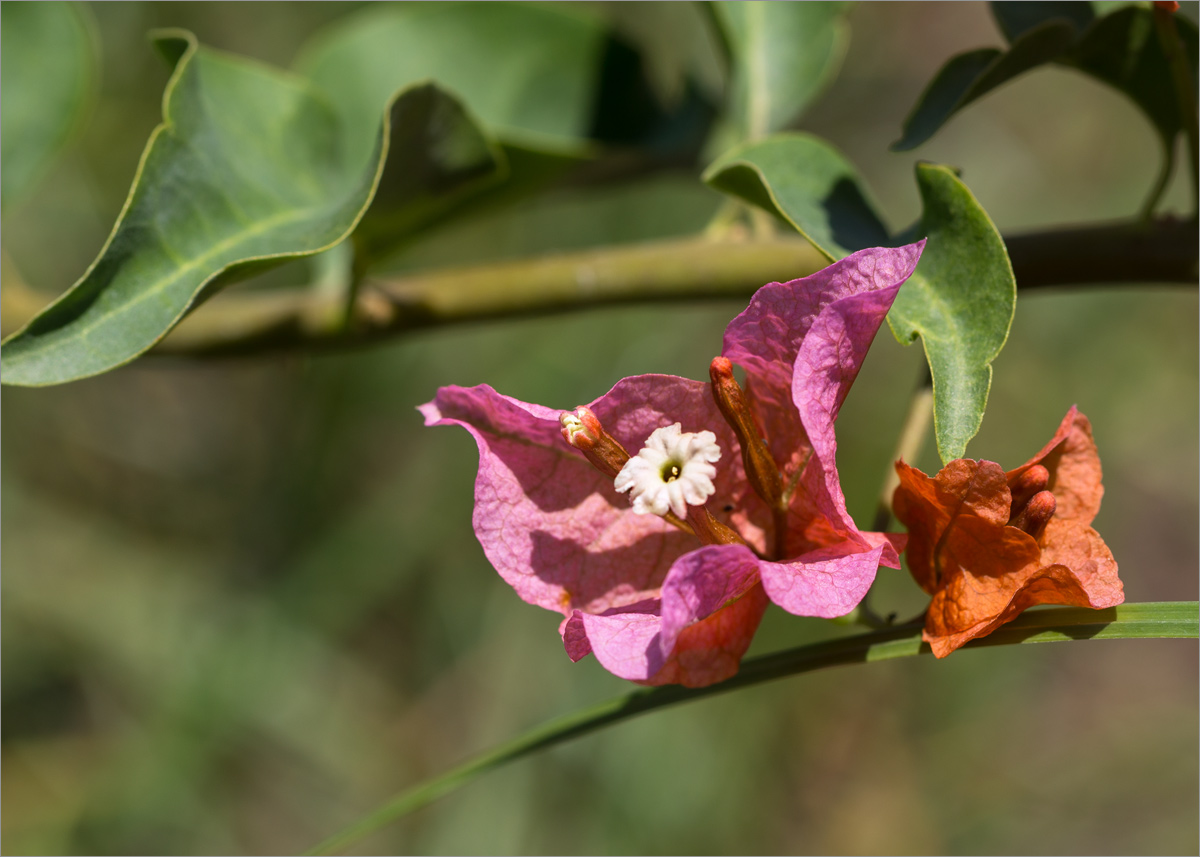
(651, 603)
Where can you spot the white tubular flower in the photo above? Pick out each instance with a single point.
(674, 470)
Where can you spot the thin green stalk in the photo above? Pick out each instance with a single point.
(1129, 621)
(334, 289)
(1166, 167)
(723, 222)
(349, 299)
(908, 445)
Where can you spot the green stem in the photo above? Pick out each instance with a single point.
(724, 221)
(349, 297)
(1165, 169)
(334, 288)
(908, 447)
(1129, 621)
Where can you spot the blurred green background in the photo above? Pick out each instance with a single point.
(242, 602)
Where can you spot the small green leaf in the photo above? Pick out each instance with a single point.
(969, 76)
(1107, 7)
(1120, 49)
(807, 183)
(1017, 17)
(249, 168)
(783, 55)
(48, 69)
(960, 300)
(1123, 50)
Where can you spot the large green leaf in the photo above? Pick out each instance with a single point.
(1120, 49)
(969, 76)
(961, 298)
(676, 43)
(807, 183)
(782, 56)
(48, 61)
(437, 156)
(250, 167)
(528, 72)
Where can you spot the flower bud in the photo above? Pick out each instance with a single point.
(1036, 514)
(761, 470)
(1025, 485)
(582, 430)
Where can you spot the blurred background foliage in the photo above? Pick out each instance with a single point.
(242, 602)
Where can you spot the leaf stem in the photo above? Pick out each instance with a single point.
(724, 222)
(1165, 168)
(1128, 621)
(356, 273)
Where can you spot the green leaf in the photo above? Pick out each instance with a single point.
(783, 55)
(1107, 7)
(807, 183)
(437, 157)
(1120, 49)
(250, 168)
(676, 42)
(1161, 620)
(969, 76)
(527, 72)
(1123, 50)
(48, 65)
(1017, 17)
(960, 300)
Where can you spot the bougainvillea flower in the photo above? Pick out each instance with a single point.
(663, 598)
(988, 544)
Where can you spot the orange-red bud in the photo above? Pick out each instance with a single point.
(1023, 487)
(1036, 514)
(761, 470)
(582, 430)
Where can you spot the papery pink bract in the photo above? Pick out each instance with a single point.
(638, 593)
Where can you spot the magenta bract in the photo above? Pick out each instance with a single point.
(651, 603)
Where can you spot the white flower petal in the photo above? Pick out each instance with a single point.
(674, 492)
(673, 470)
